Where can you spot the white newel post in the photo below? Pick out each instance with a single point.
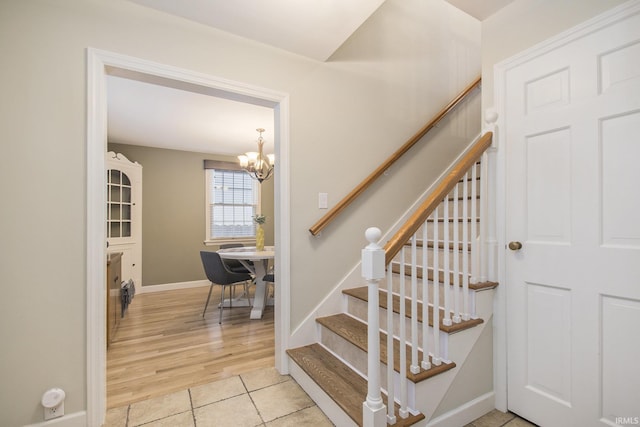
(373, 263)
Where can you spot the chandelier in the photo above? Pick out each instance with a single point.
(258, 165)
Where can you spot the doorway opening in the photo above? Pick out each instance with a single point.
(102, 64)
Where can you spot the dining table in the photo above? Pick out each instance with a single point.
(257, 262)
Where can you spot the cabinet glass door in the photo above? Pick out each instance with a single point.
(118, 204)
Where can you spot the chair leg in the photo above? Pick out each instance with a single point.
(222, 304)
(207, 303)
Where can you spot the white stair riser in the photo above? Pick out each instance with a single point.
(469, 187)
(442, 254)
(460, 204)
(461, 182)
(459, 224)
(357, 359)
(425, 395)
(407, 286)
(324, 402)
(350, 353)
(358, 309)
(455, 347)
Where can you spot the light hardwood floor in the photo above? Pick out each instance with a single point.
(164, 345)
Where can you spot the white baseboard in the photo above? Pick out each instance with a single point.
(77, 419)
(464, 414)
(172, 286)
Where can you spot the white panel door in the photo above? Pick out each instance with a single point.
(572, 132)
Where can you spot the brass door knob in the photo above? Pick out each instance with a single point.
(515, 246)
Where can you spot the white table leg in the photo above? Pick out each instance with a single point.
(259, 299)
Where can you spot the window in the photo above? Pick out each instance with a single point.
(232, 201)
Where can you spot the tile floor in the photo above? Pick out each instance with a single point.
(258, 398)
(496, 418)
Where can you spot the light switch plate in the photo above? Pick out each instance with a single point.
(322, 200)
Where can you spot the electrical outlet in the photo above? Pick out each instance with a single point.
(53, 402)
(55, 412)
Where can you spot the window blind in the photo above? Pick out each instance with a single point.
(233, 201)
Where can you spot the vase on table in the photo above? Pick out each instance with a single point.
(259, 238)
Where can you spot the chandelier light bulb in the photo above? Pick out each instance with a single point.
(257, 165)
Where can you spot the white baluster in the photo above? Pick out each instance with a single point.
(373, 409)
(483, 218)
(404, 411)
(435, 359)
(446, 320)
(391, 414)
(465, 248)
(415, 368)
(474, 223)
(426, 364)
(456, 258)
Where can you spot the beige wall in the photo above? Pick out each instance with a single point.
(173, 212)
(347, 115)
(525, 23)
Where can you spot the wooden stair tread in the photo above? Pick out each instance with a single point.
(440, 219)
(440, 245)
(355, 331)
(480, 286)
(347, 389)
(461, 197)
(362, 294)
(470, 179)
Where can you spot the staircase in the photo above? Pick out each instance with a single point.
(436, 295)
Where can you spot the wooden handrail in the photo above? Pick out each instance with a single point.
(412, 225)
(366, 183)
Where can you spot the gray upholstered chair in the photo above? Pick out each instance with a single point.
(233, 264)
(218, 274)
(270, 279)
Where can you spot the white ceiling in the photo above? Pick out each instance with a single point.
(312, 29)
(151, 114)
(480, 9)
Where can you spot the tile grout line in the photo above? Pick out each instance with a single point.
(295, 412)
(512, 418)
(192, 408)
(193, 412)
(251, 399)
(313, 403)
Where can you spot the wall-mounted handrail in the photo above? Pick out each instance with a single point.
(369, 180)
(432, 201)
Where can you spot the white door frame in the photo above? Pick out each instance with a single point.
(99, 65)
(500, 73)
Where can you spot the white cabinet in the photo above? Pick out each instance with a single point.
(124, 214)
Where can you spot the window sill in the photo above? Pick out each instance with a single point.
(218, 242)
